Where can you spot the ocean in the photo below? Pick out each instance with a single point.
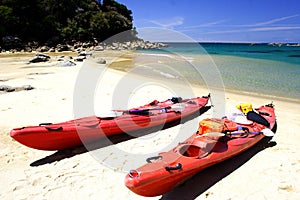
(262, 69)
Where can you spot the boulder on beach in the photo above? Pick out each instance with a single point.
(98, 48)
(62, 47)
(99, 60)
(39, 58)
(27, 87)
(85, 53)
(68, 63)
(7, 88)
(79, 59)
(43, 49)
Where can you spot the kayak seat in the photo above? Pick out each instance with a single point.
(192, 151)
(198, 148)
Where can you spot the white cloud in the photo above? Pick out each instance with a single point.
(208, 24)
(276, 28)
(258, 29)
(269, 25)
(168, 23)
(160, 34)
(219, 27)
(275, 20)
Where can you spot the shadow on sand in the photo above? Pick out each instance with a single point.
(205, 179)
(68, 153)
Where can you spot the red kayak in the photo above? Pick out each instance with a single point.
(215, 141)
(73, 133)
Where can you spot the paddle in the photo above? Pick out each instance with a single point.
(178, 107)
(148, 109)
(266, 132)
(132, 111)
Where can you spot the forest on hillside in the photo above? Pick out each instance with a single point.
(53, 21)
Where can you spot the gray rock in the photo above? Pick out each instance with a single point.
(11, 89)
(52, 49)
(27, 87)
(98, 48)
(62, 47)
(6, 88)
(85, 53)
(61, 58)
(3, 87)
(68, 57)
(68, 63)
(79, 59)
(99, 60)
(86, 44)
(42, 55)
(44, 49)
(28, 49)
(40, 58)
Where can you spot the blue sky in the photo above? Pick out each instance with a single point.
(221, 20)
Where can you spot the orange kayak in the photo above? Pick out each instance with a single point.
(58, 136)
(215, 141)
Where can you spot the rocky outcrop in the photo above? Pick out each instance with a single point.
(134, 45)
(14, 44)
(86, 49)
(11, 42)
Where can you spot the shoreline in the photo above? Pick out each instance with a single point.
(119, 59)
(75, 173)
(265, 96)
(119, 66)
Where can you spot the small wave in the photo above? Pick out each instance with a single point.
(158, 55)
(167, 75)
(156, 72)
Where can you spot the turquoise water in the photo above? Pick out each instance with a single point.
(254, 68)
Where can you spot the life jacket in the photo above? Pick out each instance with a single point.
(216, 125)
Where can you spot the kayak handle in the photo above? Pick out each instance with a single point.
(177, 167)
(54, 129)
(149, 160)
(45, 124)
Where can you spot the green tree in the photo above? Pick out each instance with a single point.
(7, 21)
(40, 20)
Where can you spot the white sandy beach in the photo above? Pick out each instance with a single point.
(271, 173)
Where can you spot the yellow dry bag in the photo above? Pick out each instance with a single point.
(245, 107)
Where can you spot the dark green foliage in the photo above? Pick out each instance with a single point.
(41, 20)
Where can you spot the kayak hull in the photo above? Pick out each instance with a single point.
(86, 130)
(191, 156)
